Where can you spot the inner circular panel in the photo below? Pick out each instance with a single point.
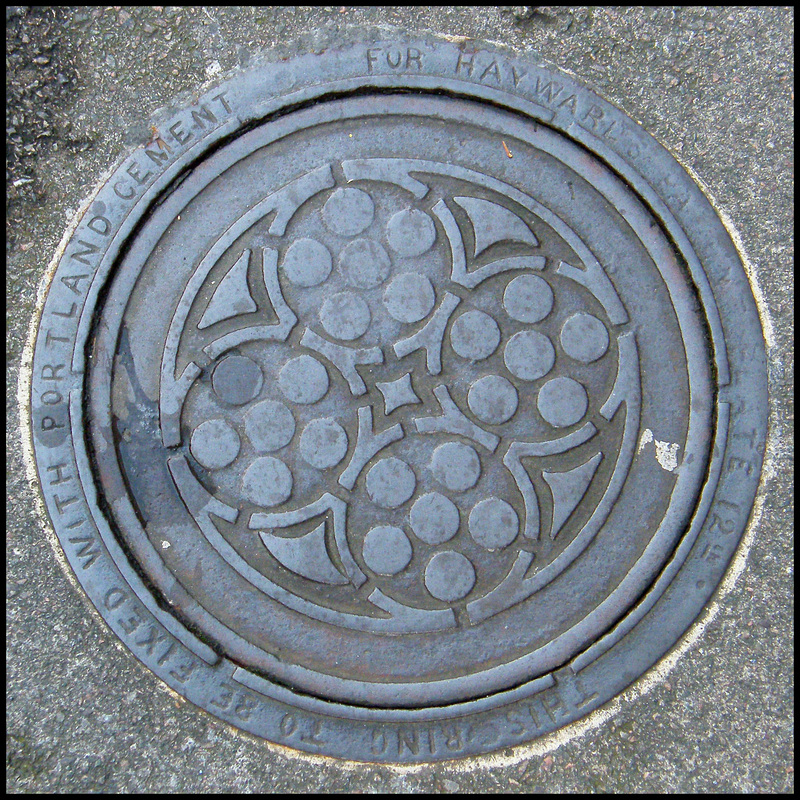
(306, 567)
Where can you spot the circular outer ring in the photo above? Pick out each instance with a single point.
(247, 701)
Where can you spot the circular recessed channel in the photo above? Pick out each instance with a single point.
(343, 379)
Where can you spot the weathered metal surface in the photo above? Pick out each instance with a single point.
(399, 403)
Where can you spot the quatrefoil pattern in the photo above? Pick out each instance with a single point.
(412, 379)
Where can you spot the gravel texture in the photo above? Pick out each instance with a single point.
(713, 85)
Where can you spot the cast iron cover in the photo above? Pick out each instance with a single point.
(399, 403)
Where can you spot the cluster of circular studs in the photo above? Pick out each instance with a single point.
(375, 257)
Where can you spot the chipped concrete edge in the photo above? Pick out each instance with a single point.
(520, 753)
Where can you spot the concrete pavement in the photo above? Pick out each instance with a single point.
(714, 86)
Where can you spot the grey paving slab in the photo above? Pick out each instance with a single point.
(714, 86)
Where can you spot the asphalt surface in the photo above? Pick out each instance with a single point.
(714, 86)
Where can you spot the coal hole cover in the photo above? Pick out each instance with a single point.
(399, 403)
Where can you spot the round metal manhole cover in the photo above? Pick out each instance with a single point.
(399, 403)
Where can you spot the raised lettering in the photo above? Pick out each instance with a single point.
(465, 60)
(407, 740)
(245, 705)
(51, 397)
(114, 598)
(206, 114)
(394, 63)
(133, 171)
(750, 437)
(607, 131)
(49, 424)
(50, 337)
(378, 745)
(583, 694)
(712, 553)
(533, 715)
(548, 90)
(412, 54)
(62, 504)
(50, 372)
(70, 314)
(517, 725)
(593, 115)
(453, 739)
(152, 640)
(493, 69)
(121, 190)
(315, 734)
(131, 623)
(59, 477)
(553, 705)
(87, 551)
(160, 156)
(179, 135)
(225, 698)
(223, 101)
(164, 657)
(72, 282)
(394, 57)
(740, 463)
(90, 250)
(99, 225)
(571, 102)
(372, 57)
(182, 672)
(288, 725)
(517, 76)
(727, 503)
(722, 526)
